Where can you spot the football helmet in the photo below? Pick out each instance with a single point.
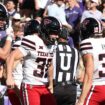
(3, 16)
(50, 25)
(90, 27)
(31, 27)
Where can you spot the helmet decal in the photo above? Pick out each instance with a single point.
(47, 21)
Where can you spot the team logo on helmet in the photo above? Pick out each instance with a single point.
(91, 27)
(47, 21)
(85, 23)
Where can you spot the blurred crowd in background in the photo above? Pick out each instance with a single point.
(70, 12)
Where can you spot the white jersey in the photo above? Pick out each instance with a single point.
(37, 58)
(96, 47)
(18, 71)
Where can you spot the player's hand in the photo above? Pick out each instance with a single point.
(79, 102)
(50, 87)
(10, 82)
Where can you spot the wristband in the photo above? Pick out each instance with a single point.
(9, 38)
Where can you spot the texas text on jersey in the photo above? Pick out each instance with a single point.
(35, 69)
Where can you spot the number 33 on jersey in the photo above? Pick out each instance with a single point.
(96, 47)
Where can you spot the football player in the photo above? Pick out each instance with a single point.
(93, 52)
(52, 28)
(3, 27)
(5, 42)
(5, 46)
(37, 55)
(13, 93)
(65, 66)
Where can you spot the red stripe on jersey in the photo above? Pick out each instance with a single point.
(28, 41)
(86, 48)
(83, 44)
(27, 45)
(16, 46)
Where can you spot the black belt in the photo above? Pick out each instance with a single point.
(65, 83)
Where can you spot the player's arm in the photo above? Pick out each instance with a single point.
(15, 55)
(45, 12)
(37, 4)
(50, 78)
(89, 66)
(6, 49)
(80, 71)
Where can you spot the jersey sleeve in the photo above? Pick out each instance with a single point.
(16, 44)
(86, 47)
(27, 45)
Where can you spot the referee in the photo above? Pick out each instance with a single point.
(65, 66)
